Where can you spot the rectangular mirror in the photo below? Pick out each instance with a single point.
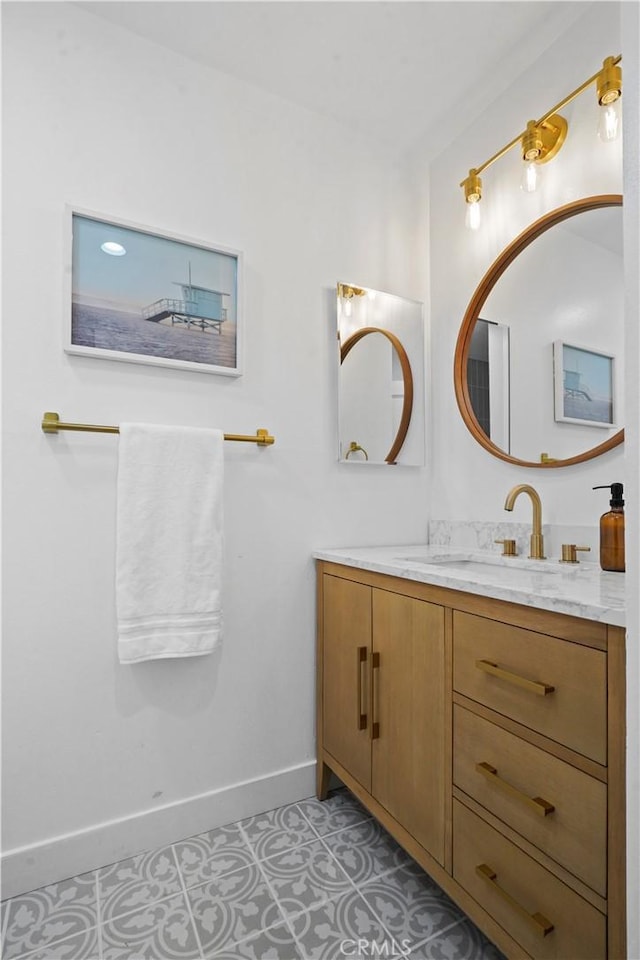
(381, 383)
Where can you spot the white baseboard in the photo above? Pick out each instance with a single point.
(30, 867)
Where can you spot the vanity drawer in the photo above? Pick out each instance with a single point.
(522, 896)
(519, 783)
(553, 686)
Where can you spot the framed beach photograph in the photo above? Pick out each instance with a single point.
(144, 296)
(583, 385)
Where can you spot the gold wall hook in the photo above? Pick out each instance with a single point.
(356, 448)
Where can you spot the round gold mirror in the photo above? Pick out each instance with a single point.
(407, 378)
(538, 363)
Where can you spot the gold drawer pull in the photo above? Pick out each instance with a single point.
(542, 807)
(375, 674)
(362, 714)
(536, 921)
(534, 686)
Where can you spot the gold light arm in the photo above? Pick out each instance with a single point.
(571, 96)
(558, 106)
(51, 423)
(496, 156)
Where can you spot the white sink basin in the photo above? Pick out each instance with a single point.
(498, 569)
(511, 569)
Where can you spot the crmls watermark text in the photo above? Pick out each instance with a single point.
(361, 949)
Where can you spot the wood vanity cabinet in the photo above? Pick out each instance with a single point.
(488, 738)
(383, 707)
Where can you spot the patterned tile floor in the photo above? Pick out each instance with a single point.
(312, 880)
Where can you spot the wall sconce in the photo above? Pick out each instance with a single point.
(540, 143)
(473, 195)
(543, 138)
(609, 96)
(347, 293)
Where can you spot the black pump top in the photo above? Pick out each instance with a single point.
(616, 493)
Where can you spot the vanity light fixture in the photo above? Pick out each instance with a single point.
(609, 96)
(347, 293)
(472, 195)
(542, 139)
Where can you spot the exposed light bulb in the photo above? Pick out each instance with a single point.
(530, 177)
(472, 219)
(609, 121)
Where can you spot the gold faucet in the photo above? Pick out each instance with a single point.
(536, 549)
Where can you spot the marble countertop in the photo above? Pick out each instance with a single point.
(581, 590)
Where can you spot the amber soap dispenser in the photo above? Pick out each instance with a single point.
(612, 530)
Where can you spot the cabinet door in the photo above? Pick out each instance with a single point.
(346, 666)
(408, 757)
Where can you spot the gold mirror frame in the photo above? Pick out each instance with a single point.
(407, 377)
(472, 314)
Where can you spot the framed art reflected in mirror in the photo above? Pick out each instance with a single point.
(561, 280)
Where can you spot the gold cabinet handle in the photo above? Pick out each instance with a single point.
(536, 921)
(541, 807)
(375, 679)
(362, 714)
(534, 686)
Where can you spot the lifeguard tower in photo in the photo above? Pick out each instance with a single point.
(199, 307)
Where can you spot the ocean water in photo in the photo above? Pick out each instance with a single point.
(107, 328)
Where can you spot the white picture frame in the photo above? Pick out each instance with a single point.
(584, 385)
(143, 295)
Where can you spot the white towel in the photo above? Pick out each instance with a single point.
(169, 541)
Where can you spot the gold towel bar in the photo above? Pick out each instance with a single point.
(51, 423)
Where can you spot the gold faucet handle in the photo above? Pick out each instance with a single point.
(508, 547)
(569, 552)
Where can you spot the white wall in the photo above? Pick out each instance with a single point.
(99, 759)
(466, 482)
(460, 258)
